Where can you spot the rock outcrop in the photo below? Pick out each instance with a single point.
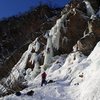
(86, 44)
(96, 28)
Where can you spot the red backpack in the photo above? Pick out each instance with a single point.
(44, 75)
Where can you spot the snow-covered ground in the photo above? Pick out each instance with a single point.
(75, 77)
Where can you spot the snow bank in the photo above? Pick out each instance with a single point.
(90, 88)
(94, 56)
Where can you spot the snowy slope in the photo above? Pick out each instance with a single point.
(76, 79)
(75, 76)
(91, 84)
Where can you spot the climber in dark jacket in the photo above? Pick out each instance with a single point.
(43, 75)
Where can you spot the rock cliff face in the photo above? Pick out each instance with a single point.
(76, 29)
(86, 29)
(80, 21)
(96, 27)
(86, 43)
(7, 65)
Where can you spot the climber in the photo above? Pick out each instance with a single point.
(43, 75)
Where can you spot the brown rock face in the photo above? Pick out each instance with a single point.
(82, 7)
(96, 28)
(86, 43)
(11, 61)
(76, 25)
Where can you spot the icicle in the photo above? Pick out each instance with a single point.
(30, 47)
(90, 10)
(55, 31)
(34, 45)
(55, 40)
(33, 57)
(36, 69)
(28, 75)
(49, 50)
(37, 45)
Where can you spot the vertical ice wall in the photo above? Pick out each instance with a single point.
(36, 65)
(53, 38)
(48, 53)
(56, 31)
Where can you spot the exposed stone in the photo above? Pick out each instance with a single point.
(11, 61)
(82, 7)
(74, 3)
(72, 30)
(86, 44)
(76, 25)
(96, 28)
